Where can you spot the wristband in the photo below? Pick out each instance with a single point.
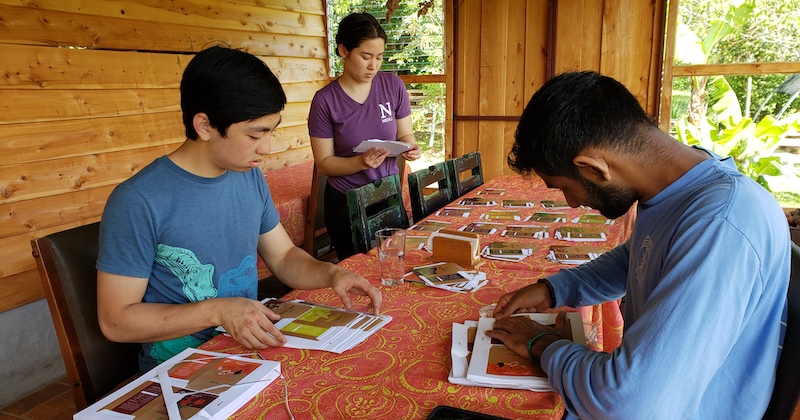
(551, 291)
(533, 340)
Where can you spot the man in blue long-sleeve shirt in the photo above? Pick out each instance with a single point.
(705, 271)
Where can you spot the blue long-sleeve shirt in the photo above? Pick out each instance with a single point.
(705, 274)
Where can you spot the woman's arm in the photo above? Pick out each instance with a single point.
(332, 165)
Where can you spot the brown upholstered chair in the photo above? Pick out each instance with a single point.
(317, 242)
(95, 366)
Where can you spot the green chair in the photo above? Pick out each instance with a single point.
(424, 204)
(459, 184)
(373, 207)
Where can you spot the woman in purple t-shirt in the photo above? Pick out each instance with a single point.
(362, 104)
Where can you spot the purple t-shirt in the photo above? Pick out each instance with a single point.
(336, 115)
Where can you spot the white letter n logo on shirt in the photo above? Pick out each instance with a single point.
(386, 111)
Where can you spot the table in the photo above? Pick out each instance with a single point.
(401, 371)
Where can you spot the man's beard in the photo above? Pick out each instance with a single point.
(611, 201)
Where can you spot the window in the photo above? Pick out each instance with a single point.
(415, 52)
(732, 74)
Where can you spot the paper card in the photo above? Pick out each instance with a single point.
(477, 201)
(575, 254)
(430, 225)
(492, 191)
(502, 215)
(485, 228)
(593, 218)
(416, 242)
(581, 233)
(205, 384)
(526, 231)
(548, 217)
(393, 146)
(510, 202)
(454, 212)
(555, 204)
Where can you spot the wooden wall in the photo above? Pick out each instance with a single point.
(504, 50)
(89, 96)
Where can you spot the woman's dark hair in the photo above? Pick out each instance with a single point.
(571, 112)
(357, 27)
(229, 86)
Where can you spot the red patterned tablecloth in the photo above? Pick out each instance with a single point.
(401, 371)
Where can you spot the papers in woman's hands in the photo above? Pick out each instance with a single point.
(314, 326)
(394, 147)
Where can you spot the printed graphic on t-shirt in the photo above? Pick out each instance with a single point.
(386, 112)
(196, 277)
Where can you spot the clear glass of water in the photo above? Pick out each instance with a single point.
(391, 252)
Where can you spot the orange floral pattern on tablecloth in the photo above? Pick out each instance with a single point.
(401, 371)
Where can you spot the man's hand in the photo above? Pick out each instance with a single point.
(515, 331)
(531, 298)
(248, 322)
(345, 282)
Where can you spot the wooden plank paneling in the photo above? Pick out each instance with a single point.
(493, 88)
(536, 47)
(19, 289)
(276, 16)
(29, 26)
(25, 67)
(39, 180)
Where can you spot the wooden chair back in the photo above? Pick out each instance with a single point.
(317, 242)
(375, 206)
(95, 366)
(423, 204)
(786, 393)
(470, 162)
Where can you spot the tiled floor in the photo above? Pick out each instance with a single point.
(53, 402)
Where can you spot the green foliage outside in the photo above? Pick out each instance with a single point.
(415, 46)
(711, 112)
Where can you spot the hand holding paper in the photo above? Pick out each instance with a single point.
(394, 147)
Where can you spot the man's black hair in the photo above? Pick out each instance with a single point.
(229, 86)
(571, 112)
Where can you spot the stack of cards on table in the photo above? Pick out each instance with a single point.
(593, 218)
(502, 215)
(430, 225)
(200, 384)
(450, 276)
(554, 204)
(485, 228)
(548, 217)
(481, 361)
(492, 191)
(507, 251)
(581, 233)
(477, 201)
(511, 202)
(573, 254)
(454, 212)
(526, 231)
(313, 326)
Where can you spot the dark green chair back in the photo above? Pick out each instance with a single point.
(471, 162)
(424, 204)
(373, 207)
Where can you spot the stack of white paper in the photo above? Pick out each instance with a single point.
(491, 364)
(573, 254)
(394, 147)
(313, 326)
(526, 231)
(454, 212)
(200, 385)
